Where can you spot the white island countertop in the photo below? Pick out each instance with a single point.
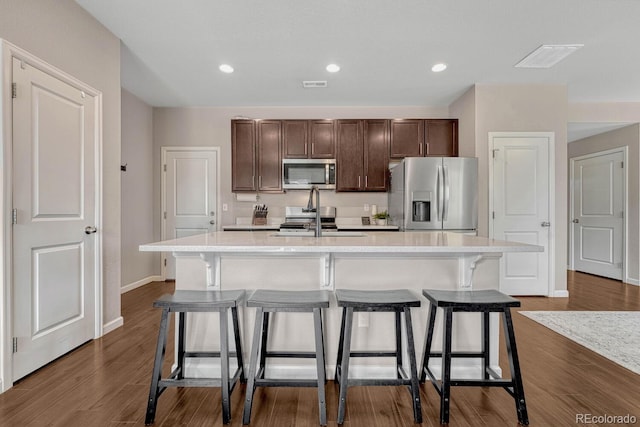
(370, 242)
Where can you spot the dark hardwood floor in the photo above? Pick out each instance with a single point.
(105, 382)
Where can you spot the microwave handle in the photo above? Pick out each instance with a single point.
(326, 172)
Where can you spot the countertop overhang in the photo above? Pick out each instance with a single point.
(370, 242)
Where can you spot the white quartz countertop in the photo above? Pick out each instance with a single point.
(369, 242)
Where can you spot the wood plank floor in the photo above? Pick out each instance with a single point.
(105, 382)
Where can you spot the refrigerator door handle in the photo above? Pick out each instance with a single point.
(440, 194)
(445, 205)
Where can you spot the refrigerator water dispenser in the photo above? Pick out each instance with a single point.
(421, 202)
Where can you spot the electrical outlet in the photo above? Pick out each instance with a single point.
(225, 207)
(366, 207)
(363, 320)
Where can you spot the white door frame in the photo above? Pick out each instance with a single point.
(552, 194)
(7, 52)
(163, 189)
(625, 206)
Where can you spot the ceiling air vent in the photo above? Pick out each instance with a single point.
(314, 83)
(548, 55)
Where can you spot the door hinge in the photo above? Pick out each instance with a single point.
(494, 152)
(165, 262)
(15, 344)
(14, 216)
(164, 214)
(14, 90)
(622, 165)
(164, 168)
(493, 215)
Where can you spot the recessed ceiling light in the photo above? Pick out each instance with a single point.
(226, 68)
(548, 55)
(333, 68)
(439, 67)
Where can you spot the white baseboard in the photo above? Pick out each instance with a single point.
(560, 294)
(631, 281)
(113, 325)
(141, 282)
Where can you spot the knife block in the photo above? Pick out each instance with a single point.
(259, 217)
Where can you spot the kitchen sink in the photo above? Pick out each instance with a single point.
(324, 234)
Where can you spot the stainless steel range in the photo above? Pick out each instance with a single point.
(296, 219)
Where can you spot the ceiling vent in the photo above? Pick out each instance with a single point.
(548, 55)
(314, 83)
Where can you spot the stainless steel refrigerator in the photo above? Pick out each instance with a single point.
(435, 193)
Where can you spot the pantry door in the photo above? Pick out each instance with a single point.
(520, 208)
(56, 266)
(190, 195)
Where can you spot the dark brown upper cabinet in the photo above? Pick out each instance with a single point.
(256, 155)
(441, 137)
(243, 155)
(424, 137)
(269, 153)
(407, 138)
(362, 155)
(322, 139)
(295, 138)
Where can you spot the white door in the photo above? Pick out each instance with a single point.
(598, 214)
(54, 197)
(190, 183)
(520, 205)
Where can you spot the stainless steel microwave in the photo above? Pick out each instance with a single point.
(301, 174)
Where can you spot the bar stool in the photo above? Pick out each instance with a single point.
(397, 301)
(272, 301)
(183, 302)
(485, 302)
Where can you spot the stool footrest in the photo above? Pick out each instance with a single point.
(285, 382)
(292, 354)
(207, 354)
(464, 354)
(191, 382)
(372, 354)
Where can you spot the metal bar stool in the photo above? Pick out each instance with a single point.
(397, 301)
(271, 301)
(183, 302)
(485, 302)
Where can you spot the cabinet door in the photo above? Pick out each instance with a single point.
(269, 155)
(441, 137)
(350, 156)
(407, 138)
(294, 139)
(376, 154)
(322, 139)
(243, 155)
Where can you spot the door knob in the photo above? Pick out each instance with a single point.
(90, 229)
(575, 221)
(212, 222)
(545, 224)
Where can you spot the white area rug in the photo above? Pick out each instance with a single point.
(612, 334)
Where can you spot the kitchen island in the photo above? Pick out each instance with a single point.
(371, 260)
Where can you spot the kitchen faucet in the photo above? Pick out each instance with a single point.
(310, 208)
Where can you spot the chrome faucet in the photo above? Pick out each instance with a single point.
(310, 208)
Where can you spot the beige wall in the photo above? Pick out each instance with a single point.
(212, 127)
(61, 33)
(137, 192)
(626, 137)
(464, 109)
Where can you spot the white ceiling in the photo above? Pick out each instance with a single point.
(172, 49)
